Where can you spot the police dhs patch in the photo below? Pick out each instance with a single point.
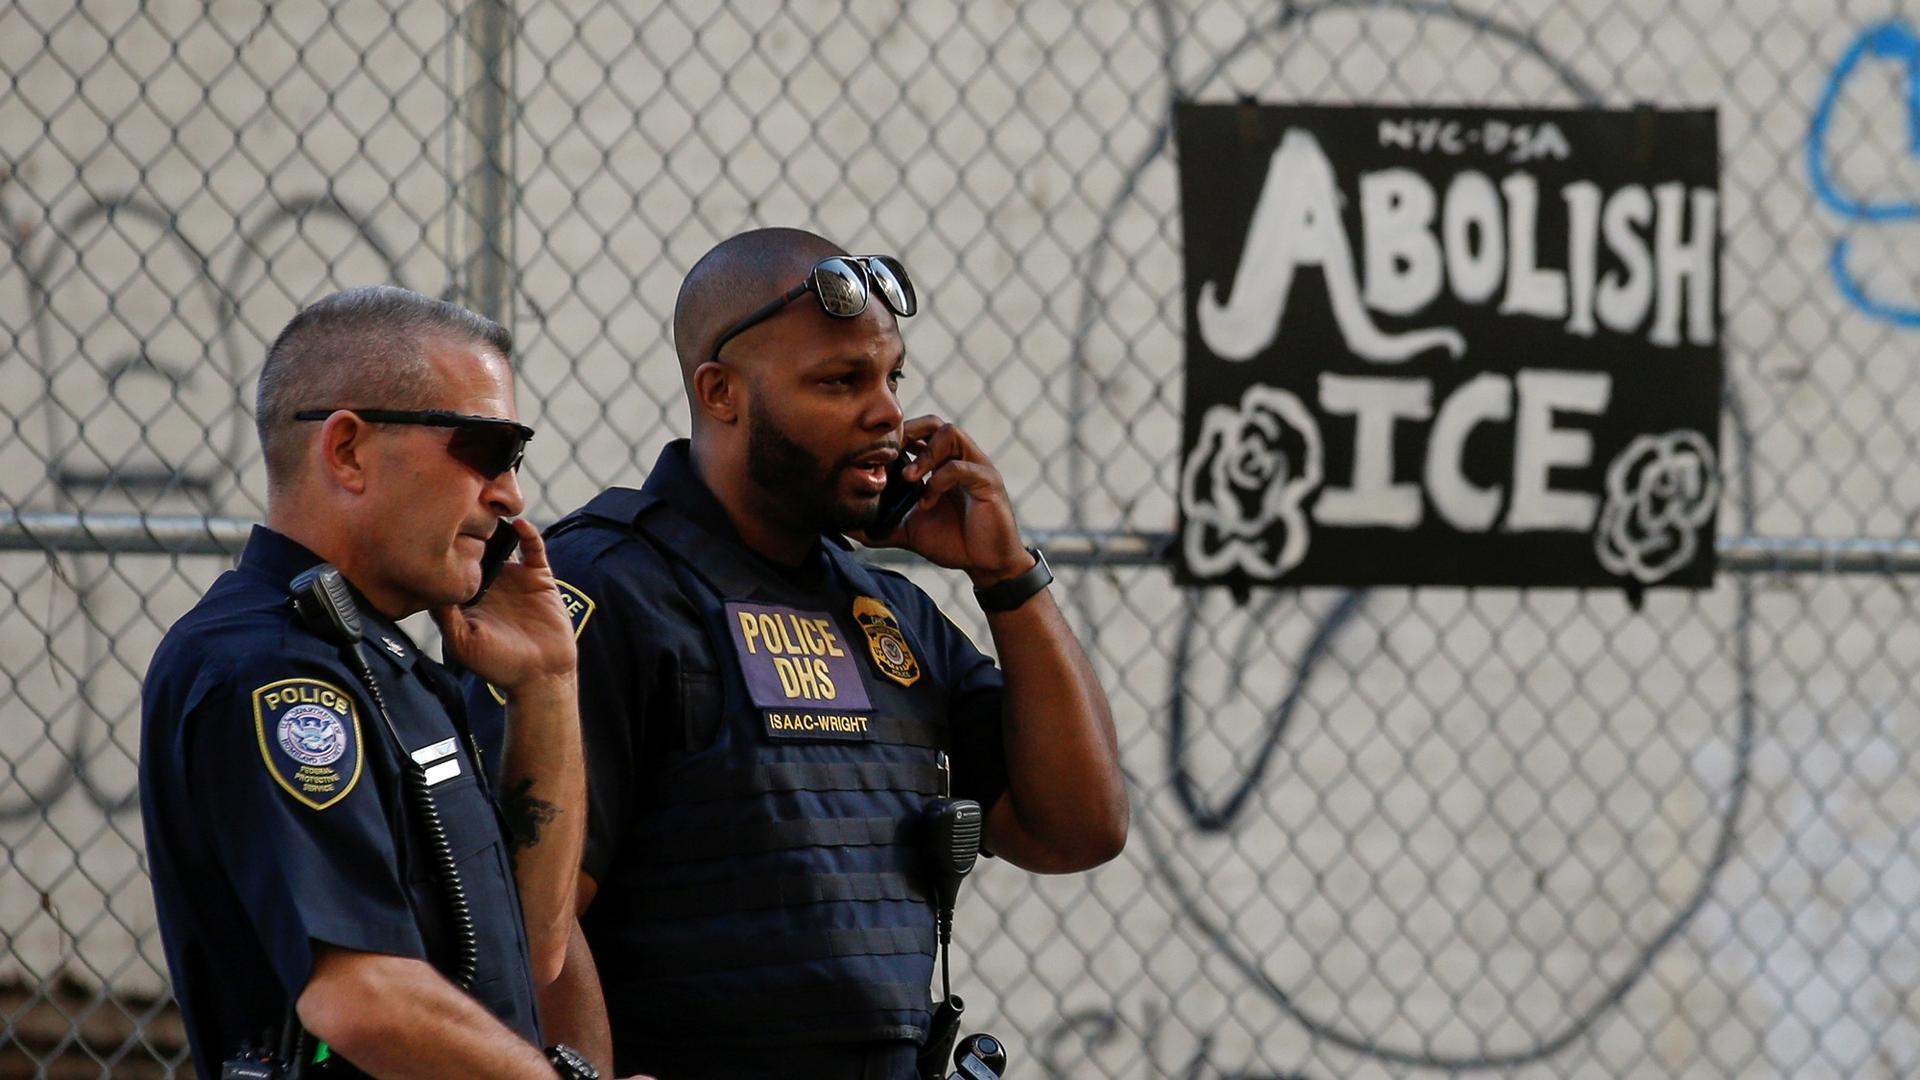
(309, 734)
(885, 642)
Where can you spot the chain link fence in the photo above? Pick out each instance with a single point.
(1383, 833)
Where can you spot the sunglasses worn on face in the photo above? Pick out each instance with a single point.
(843, 283)
(489, 445)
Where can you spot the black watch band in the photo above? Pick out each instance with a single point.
(570, 1063)
(1011, 593)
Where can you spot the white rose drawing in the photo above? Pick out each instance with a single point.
(1244, 480)
(1661, 491)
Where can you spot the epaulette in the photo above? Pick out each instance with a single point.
(619, 506)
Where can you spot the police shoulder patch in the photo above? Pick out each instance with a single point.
(580, 608)
(309, 733)
(885, 642)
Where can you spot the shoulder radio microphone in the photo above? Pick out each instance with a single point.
(953, 828)
(951, 832)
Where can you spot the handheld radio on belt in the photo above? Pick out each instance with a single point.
(325, 606)
(951, 829)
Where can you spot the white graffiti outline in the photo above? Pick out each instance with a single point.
(1651, 531)
(1229, 462)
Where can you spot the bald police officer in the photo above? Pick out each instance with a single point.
(766, 716)
(288, 864)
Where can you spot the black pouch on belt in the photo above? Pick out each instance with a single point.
(941, 1033)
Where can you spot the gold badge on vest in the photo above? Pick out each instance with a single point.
(885, 641)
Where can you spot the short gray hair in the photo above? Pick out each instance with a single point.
(360, 348)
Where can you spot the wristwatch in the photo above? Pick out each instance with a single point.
(1011, 593)
(569, 1063)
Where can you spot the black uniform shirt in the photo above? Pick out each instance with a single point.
(271, 796)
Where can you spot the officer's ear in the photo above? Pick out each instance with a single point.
(717, 391)
(342, 450)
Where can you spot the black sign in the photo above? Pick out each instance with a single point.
(1449, 346)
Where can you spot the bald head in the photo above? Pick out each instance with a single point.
(739, 274)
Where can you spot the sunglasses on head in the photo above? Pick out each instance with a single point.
(843, 283)
(489, 445)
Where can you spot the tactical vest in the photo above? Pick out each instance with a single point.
(771, 873)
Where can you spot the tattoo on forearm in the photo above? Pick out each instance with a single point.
(525, 814)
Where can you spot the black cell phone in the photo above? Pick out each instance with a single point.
(896, 499)
(500, 546)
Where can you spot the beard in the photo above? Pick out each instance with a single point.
(800, 483)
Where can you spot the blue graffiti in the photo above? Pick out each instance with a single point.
(1890, 40)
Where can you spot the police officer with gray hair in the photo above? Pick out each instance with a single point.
(340, 889)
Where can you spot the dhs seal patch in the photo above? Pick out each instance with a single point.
(885, 642)
(309, 734)
(312, 735)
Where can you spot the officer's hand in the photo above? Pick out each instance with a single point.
(518, 636)
(964, 519)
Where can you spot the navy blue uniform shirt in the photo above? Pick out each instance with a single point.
(656, 681)
(271, 794)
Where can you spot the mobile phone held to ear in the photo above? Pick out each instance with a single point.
(896, 499)
(500, 546)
